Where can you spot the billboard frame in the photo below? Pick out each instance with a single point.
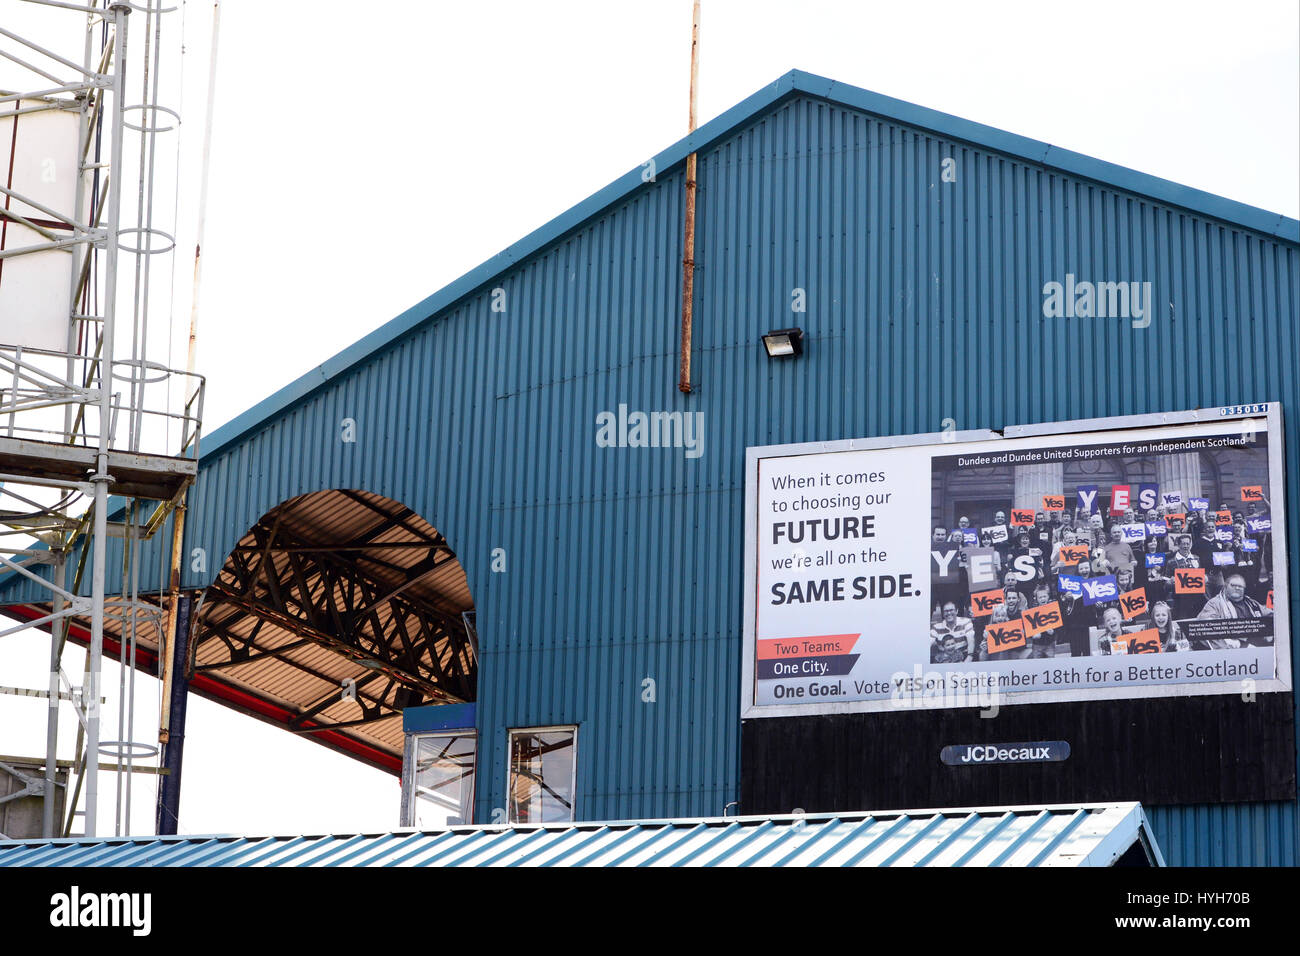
(1271, 412)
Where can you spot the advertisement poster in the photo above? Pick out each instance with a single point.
(1092, 563)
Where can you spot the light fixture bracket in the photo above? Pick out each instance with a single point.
(783, 343)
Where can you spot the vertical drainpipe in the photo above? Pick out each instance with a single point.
(169, 782)
(57, 632)
(688, 255)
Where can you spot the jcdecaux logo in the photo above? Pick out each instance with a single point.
(1043, 751)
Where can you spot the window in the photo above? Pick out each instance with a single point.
(541, 774)
(442, 778)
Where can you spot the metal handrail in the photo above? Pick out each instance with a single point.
(36, 386)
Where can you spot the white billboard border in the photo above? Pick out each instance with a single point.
(1272, 414)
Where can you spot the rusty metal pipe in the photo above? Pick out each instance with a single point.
(688, 257)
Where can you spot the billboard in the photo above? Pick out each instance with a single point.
(1117, 558)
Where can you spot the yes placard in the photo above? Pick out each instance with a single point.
(997, 533)
(1006, 636)
(1045, 617)
(982, 604)
(1140, 642)
(1133, 603)
(1073, 553)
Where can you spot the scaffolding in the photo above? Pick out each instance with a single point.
(98, 411)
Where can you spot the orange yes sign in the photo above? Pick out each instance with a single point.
(1170, 519)
(1189, 580)
(1022, 517)
(1005, 637)
(1053, 502)
(1142, 642)
(982, 604)
(1223, 517)
(1045, 617)
(1252, 492)
(1074, 553)
(1133, 603)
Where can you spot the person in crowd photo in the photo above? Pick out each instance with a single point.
(1009, 610)
(1216, 568)
(1041, 536)
(952, 639)
(1059, 565)
(986, 541)
(1245, 558)
(1171, 635)
(1183, 556)
(1154, 578)
(1043, 644)
(1002, 547)
(1112, 631)
(1234, 602)
(1203, 543)
(1118, 552)
(1185, 605)
(1033, 555)
(1076, 616)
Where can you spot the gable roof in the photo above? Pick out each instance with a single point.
(796, 82)
(792, 84)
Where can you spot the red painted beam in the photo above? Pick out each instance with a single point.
(206, 686)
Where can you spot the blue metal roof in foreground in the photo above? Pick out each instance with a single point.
(1076, 835)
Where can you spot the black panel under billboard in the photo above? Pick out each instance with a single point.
(1163, 750)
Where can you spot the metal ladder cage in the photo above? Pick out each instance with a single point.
(69, 418)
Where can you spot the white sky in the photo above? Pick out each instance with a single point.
(367, 155)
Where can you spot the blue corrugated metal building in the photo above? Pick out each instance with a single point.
(626, 564)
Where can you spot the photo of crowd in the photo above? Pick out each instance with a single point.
(1103, 576)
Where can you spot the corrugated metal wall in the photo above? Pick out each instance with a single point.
(923, 302)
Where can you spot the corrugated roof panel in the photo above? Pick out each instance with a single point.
(298, 674)
(1087, 835)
